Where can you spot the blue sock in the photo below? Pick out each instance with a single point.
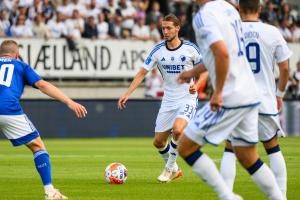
(43, 166)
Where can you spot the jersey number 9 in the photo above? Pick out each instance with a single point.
(253, 56)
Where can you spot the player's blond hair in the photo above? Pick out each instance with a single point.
(172, 18)
(9, 47)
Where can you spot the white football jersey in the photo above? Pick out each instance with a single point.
(265, 47)
(215, 21)
(171, 62)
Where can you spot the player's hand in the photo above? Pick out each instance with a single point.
(216, 101)
(279, 103)
(78, 109)
(193, 89)
(185, 77)
(122, 101)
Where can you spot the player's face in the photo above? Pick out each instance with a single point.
(170, 31)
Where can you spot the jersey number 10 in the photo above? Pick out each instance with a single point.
(6, 73)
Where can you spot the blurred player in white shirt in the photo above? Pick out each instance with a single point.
(233, 108)
(178, 106)
(265, 47)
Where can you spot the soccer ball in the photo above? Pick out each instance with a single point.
(116, 173)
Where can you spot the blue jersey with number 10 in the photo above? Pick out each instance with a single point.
(14, 75)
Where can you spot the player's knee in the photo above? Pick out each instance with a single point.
(271, 143)
(36, 145)
(177, 133)
(159, 143)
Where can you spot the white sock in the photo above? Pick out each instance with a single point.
(266, 181)
(277, 165)
(228, 168)
(206, 169)
(171, 163)
(48, 188)
(164, 152)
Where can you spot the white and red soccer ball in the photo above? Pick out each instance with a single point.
(116, 173)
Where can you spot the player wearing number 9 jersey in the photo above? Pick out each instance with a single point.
(233, 108)
(14, 75)
(265, 47)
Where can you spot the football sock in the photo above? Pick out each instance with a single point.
(164, 152)
(228, 168)
(171, 163)
(43, 166)
(265, 179)
(206, 169)
(277, 165)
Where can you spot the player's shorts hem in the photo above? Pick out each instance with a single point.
(243, 140)
(239, 107)
(207, 141)
(268, 140)
(25, 139)
(268, 114)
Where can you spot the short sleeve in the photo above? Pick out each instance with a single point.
(151, 60)
(31, 77)
(206, 29)
(282, 51)
(197, 56)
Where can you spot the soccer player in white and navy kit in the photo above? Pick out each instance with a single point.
(233, 108)
(265, 47)
(14, 75)
(178, 106)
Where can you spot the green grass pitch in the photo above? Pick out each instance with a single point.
(78, 171)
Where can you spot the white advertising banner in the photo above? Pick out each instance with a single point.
(93, 59)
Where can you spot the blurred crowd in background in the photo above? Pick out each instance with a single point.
(128, 19)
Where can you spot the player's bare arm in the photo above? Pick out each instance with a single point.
(52, 91)
(282, 82)
(201, 79)
(139, 77)
(186, 76)
(221, 56)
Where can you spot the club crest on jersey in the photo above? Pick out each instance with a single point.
(182, 58)
(148, 61)
(172, 58)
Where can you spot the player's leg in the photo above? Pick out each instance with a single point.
(244, 138)
(228, 165)
(269, 128)
(161, 143)
(204, 167)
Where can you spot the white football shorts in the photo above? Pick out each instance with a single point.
(18, 129)
(269, 127)
(166, 118)
(214, 127)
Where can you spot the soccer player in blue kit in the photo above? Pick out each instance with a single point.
(14, 75)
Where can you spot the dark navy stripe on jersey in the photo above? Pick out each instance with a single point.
(25, 139)
(273, 150)
(156, 48)
(193, 45)
(191, 159)
(255, 166)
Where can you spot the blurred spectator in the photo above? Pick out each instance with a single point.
(295, 31)
(65, 8)
(154, 83)
(116, 29)
(110, 10)
(286, 14)
(92, 10)
(284, 30)
(90, 28)
(154, 33)
(102, 27)
(141, 31)
(48, 9)
(75, 26)
(78, 5)
(296, 78)
(25, 3)
(141, 7)
(57, 26)
(128, 13)
(19, 29)
(269, 15)
(154, 13)
(40, 30)
(159, 25)
(34, 10)
(185, 28)
(4, 23)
